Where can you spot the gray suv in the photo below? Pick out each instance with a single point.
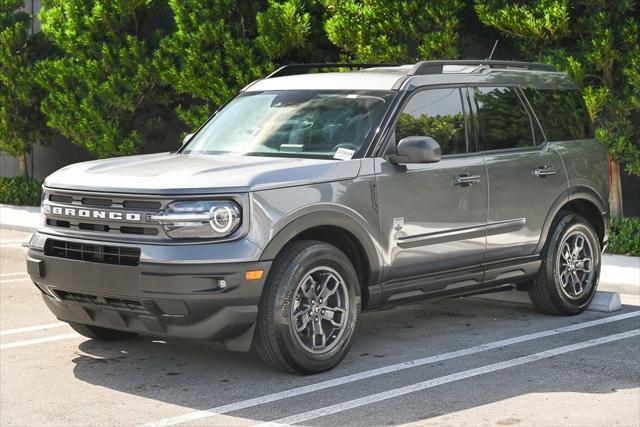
(314, 195)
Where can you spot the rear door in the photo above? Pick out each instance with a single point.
(525, 174)
(433, 215)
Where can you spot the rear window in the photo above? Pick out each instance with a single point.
(561, 113)
(503, 120)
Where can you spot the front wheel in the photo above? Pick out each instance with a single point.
(309, 308)
(570, 268)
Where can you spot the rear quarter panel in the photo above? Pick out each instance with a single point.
(587, 165)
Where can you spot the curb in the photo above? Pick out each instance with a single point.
(603, 301)
(19, 218)
(14, 227)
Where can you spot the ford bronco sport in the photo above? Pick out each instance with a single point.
(313, 195)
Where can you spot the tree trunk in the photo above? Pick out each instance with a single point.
(24, 169)
(615, 196)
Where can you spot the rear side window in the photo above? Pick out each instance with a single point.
(503, 121)
(561, 113)
(437, 113)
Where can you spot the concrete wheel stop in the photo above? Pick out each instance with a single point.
(603, 301)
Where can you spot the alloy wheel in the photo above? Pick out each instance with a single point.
(575, 265)
(320, 310)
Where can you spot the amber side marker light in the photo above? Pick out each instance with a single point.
(254, 274)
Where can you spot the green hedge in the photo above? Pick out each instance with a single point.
(20, 191)
(624, 236)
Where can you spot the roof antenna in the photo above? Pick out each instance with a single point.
(493, 50)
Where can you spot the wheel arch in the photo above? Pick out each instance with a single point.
(585, 202)
(342, 231)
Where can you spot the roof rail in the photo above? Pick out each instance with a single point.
(436, 67)
(292, 69)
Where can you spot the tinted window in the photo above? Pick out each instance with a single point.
(561, 113)
(502, 119)
(436, 113)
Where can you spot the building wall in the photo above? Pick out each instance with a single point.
(61, 152)
(45, 160)
(630, 186)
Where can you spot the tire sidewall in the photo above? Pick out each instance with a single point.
(309, 258)
(567, 225)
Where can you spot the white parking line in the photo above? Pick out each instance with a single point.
(23, 273)
(38, 341)
(32, 328)
(243, 404)
(400, 391)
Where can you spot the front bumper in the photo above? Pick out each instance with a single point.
(164, 299)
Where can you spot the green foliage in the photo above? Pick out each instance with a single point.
(109, 74)
(20, 191)
(543, 20)
(624, 236)
(219, 46)
(102, 91)
(594, 40)
(394, 31)
(21, 122)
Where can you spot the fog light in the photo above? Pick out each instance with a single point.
(222, 284)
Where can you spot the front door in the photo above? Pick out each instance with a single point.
(433, 215)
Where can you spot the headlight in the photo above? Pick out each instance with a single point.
(199, 219)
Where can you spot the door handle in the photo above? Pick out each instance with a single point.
(466, 180)
(542, 171)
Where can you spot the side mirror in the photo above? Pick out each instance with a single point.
(187, 138)
(416, 149)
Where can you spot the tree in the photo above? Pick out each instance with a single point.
(219, 46)
(21, 121)
(102, 92)
(597, 42)
(394, 31)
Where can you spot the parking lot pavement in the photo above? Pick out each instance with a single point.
(461, 361)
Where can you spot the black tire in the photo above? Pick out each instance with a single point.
(277, 342)
(101, 334)
(547, 292)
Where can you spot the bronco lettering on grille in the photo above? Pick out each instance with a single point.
(92, 213)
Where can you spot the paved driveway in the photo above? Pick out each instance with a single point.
(461, 361)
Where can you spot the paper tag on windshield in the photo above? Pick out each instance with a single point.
(344, 154)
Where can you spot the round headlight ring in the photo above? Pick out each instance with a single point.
(224, 224)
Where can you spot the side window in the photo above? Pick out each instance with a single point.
(503, 121)
(561, 113)
(436, 113)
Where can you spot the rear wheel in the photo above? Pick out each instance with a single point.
(570, 268)
(309, 308)
(101, 334)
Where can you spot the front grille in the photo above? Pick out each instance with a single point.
(118, 255)
(120, 303)
(91, 201)
(60, 198)
(83, 207)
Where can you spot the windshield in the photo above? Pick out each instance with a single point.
(294, 123)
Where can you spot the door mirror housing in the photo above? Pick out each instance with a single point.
(416, 149)
(187, 138)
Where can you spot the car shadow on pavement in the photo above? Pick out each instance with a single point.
(204, 375)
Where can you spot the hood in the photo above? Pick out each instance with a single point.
(172, 173)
